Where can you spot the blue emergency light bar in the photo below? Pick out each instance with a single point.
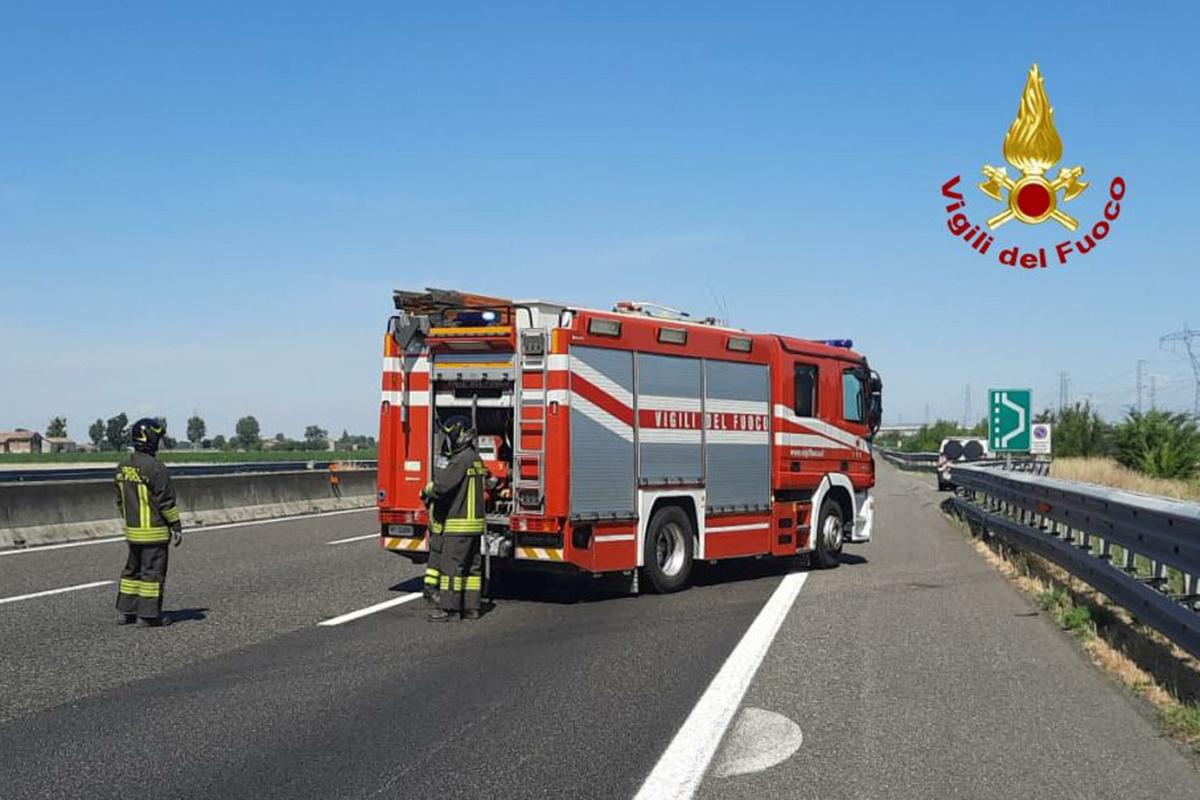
(478, 317)
(846, 343)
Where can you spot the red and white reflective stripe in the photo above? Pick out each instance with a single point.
(417, 364)
(712, 405)
(834, 436)
(601, 417)
(746, 526)
(803, 440)
(582, 369)
(414, 398)
(659, 402)
(616, 537)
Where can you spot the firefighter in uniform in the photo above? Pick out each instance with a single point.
(146, 500)
(433, 567)
(457, 518)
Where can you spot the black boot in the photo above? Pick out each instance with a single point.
(471, 615)
(442, 615)
(154, 622)
(126, 619)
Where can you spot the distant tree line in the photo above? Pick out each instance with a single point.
(1162, 444)
(113, 434)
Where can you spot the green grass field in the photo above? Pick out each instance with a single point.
(197, 457)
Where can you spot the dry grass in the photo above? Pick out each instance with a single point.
(1107, 472)
(1056, 591)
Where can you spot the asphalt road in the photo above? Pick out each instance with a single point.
(912, 670)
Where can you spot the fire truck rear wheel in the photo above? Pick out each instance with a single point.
(668, 550)
(829, 535)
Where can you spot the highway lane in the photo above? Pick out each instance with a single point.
(914, 670)
(542, 698)
(230, 587)
(925, 673)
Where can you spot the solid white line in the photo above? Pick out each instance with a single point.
(39, 548)
(354, 539)
(362, 612)
(4, 600)
(678, 773)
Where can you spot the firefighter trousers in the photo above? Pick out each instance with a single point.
(141, 588)
(433, 568)
(461, 580)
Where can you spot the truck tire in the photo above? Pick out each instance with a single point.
(829, 535)
(667, 553)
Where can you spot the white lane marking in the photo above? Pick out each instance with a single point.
(679, 771)
(354, 539)
(41, 548)
(362, 612)
(760, 739)
(48, 592)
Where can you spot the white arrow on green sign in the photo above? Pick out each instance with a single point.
(1010, 417)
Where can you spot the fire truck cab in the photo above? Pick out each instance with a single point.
(635, 440)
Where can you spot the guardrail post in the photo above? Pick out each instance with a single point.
(1128, 563)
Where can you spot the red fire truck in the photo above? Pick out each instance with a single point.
(635, 440)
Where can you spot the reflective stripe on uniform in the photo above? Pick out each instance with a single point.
(444, 583)
(147, 535)
(474, 583)
(171, 514)
(150, 589)
(128, 586)
(143, 506)
(431, 576)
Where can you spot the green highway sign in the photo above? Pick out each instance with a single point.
(1010, 417)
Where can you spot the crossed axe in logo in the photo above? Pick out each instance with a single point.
(1032, 198)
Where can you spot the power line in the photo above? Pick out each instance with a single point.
(1141, 363)
(1186, 337)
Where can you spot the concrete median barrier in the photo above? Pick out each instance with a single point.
(63, 511)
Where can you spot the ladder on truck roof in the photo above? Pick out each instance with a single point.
(529, 423)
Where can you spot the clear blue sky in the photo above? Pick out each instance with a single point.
(205, 206)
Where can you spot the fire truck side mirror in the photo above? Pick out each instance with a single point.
(875, 415)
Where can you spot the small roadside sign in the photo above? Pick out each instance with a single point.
(1040, 439)
(1010, 414)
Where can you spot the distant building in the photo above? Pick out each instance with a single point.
(58, 444)
(20, 442)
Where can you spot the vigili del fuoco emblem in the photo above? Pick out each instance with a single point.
(1033, 146)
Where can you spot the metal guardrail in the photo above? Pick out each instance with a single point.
(78, 473)
(920, 461)
(1143, 552)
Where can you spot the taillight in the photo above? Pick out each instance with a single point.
(538, 524)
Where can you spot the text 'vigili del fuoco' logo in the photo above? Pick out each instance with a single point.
(1032, 145)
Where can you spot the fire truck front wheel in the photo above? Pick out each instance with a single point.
(668, 550)
(830, 535)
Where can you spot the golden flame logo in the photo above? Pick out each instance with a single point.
(1033, 145)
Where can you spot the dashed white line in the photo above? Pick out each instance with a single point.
(362, 612)
(679, 771)
(48, 592)
(355, 539)
(41, 548)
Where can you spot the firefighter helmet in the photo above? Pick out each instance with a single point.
(146, 433)
(460, 434)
